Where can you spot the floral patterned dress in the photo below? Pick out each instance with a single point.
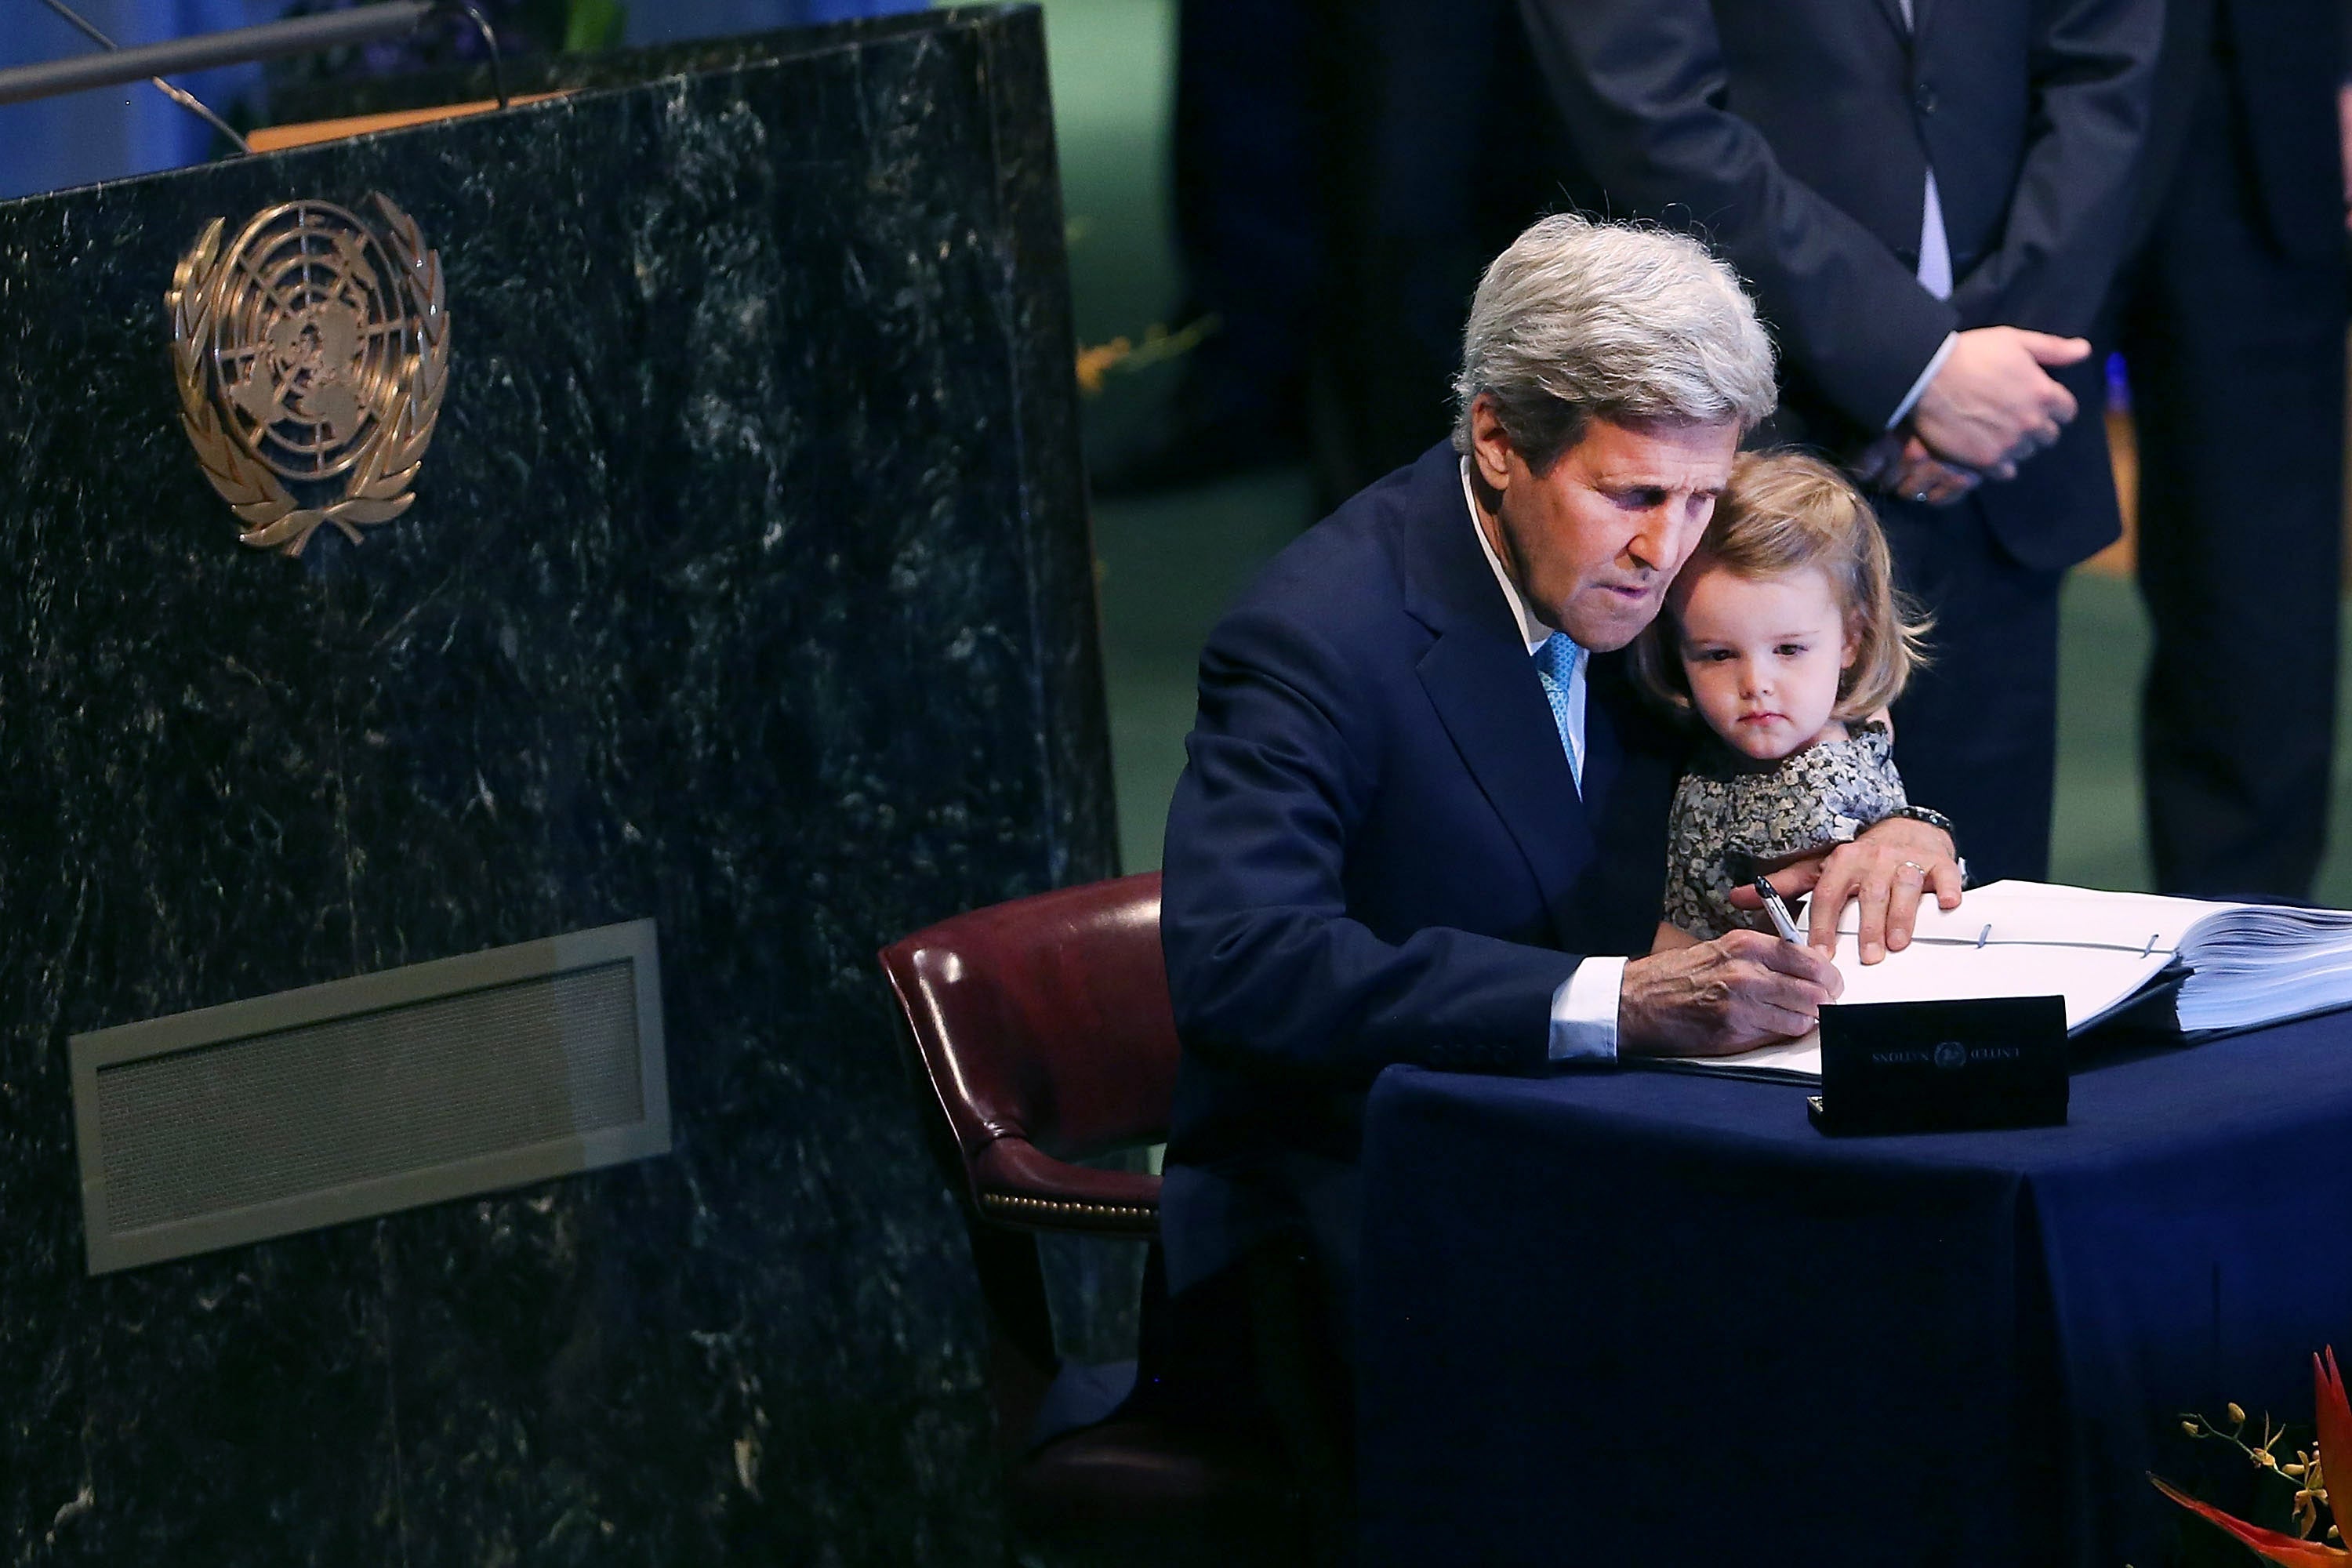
(1730, 813)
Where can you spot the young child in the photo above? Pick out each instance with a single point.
(1785, 635)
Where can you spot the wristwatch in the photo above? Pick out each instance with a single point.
(1934, 819)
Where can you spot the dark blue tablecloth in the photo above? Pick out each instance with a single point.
(1612, 1317)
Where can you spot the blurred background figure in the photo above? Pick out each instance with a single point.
(1250, 164)
(1341, 176)
(1449, 151)
(2230, 318)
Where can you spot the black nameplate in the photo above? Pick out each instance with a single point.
(1932, 1066)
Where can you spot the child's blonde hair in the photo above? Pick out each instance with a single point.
(1783, 511)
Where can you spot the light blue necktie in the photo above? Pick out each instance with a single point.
(1556, 658)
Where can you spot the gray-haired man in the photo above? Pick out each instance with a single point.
(1423, 817)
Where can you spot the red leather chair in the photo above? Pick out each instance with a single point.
(1044, 1029)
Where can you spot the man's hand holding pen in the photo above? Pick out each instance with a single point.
(1742, 990)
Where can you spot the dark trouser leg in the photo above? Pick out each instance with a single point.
(1258, 1350)
(1445, 148)
(1249, 138)
(1976, 735)
(2236, 355)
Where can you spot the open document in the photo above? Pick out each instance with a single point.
(2240, 965)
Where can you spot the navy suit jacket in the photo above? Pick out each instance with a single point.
(1795, 136)
(2283, 59)
(1377, 853)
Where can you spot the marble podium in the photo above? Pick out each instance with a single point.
(747, 587)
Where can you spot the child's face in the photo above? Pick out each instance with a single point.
(1763, 655)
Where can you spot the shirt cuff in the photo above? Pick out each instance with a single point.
(1584, 1012)
(1943, 353)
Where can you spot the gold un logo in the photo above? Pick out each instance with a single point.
(312, 352)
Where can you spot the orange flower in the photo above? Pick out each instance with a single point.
(2334, 1421)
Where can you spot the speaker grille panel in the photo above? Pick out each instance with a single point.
(370, 1095)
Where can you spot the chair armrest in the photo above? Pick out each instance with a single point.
(1016, 1183)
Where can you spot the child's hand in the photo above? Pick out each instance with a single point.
(1886, 871)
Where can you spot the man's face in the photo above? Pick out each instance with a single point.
(1593, 543)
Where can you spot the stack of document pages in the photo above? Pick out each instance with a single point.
(2239, 966)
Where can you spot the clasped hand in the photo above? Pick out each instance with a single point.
(1745, 989)
(1992, 405)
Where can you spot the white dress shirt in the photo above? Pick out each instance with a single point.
(1584, 1008)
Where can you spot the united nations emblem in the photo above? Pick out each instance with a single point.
(312, 352)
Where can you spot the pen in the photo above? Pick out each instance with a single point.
(1777, 910)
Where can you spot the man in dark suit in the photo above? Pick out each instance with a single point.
(1930, 199)
(2231, 321)
(1423, 817)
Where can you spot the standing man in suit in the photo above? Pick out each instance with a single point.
(1422, 816)
(1930, 199)
(2232, 323)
